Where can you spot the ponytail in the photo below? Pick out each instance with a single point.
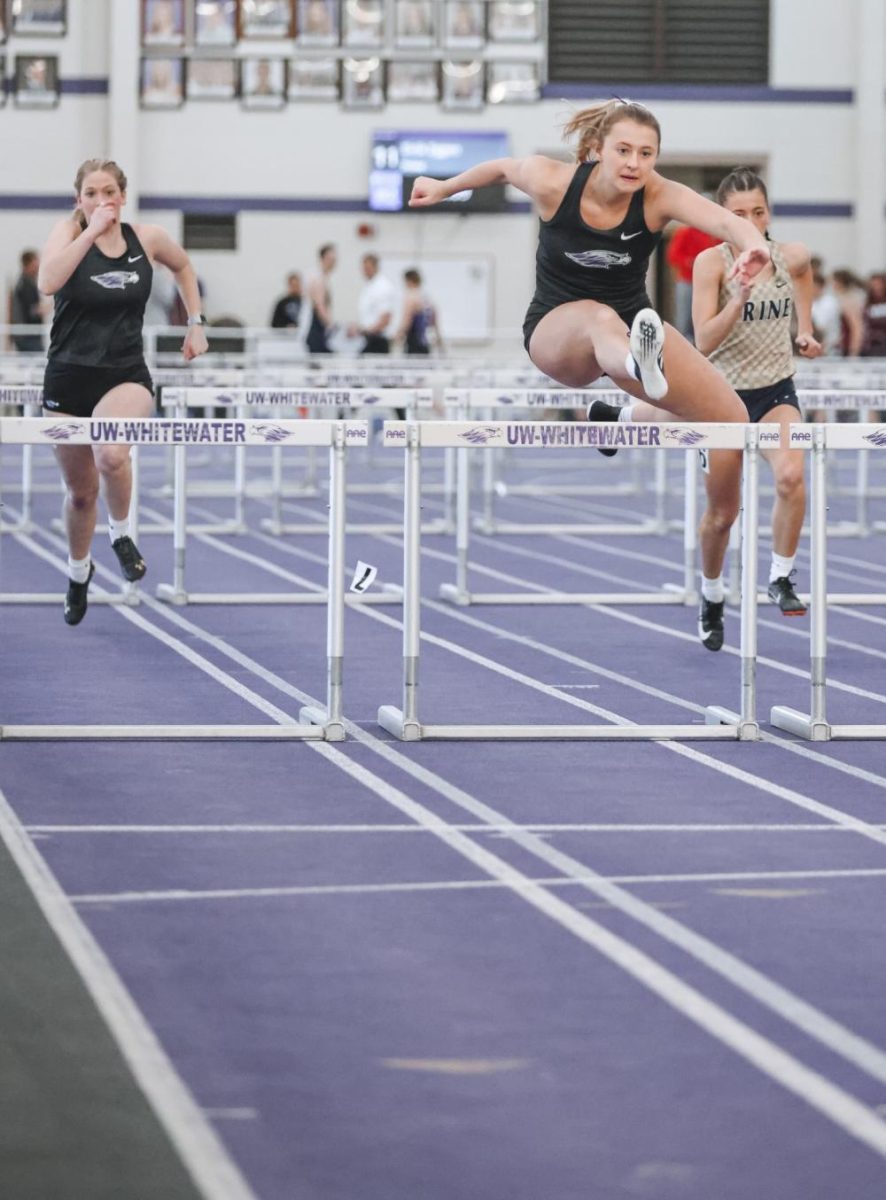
(592, 124)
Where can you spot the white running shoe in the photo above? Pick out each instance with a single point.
(647, 340)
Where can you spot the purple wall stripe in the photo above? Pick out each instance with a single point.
(724, 93)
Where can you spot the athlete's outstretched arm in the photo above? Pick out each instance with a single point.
(163, 249)
(671, 201)
(711, 323)
(800, 266)
(532, 175)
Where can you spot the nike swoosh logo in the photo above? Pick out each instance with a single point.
(626, 237)
(781, 283)
(137, 257)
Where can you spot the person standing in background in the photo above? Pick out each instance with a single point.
(684, 247)
(320, 297)
(27, 307)
(375, 309)
(418, 319)
(874, 316)
(287, 310)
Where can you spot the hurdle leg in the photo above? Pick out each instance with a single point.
(403, 723)
(814, 727)
(175, 593)
(458, 592)
(331, 718)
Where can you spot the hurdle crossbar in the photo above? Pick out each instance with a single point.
(721, 723)
(818, 439)
(314, 723)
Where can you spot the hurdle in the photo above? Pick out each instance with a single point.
(720, 722)
(314, 723)
(815, 726)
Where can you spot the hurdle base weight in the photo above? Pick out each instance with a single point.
(171, 594)
(792, 721)
(746, 731)
(333, 731)
(391, 719)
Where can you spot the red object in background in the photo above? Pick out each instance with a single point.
(684, 247)
(365, 230)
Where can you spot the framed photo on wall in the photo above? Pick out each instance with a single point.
(463, 85)
(364, 23)
(266, 18)
(162, 83)
(36, 81)
(163, 22)
(413, 81)
(215, 23)
(512, 83)
(464, 24)
(514, 21)
(36, 18)
(263, 83)
(414, 24)
(317, 23)
(211, 79)
(363, 83)
(314, 79)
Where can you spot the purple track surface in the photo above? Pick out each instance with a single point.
(453, 970)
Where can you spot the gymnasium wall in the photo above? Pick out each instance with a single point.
(808, 129)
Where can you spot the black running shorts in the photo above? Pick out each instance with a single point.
(760, 401)
(75, 390)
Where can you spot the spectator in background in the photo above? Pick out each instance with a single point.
(849, 290)
(684, 247)
(874, 317)
(320, 297)
(418, 319)
(825, 314)
(287, 310)
(27, 307)
(375, 309)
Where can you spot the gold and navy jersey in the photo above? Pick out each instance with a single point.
(758, 350)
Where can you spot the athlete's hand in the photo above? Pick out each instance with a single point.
(427, 191)
(749, 264)
(808, 346)
(195, 343)
(103, 217)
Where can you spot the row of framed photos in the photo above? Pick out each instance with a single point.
(33, 18)
(371, 24)
(269, 83)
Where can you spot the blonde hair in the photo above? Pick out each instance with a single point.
(592, 124)
(87, 168)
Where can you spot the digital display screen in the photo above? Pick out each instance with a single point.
(399, 157)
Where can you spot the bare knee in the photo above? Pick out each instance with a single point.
(112, 461)
(789, 482)
(720, 517)
(82, 497)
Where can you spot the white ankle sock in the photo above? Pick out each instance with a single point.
(713, 590)
(780, 568)
(78, 568)
(631, 367)
(117, 529)
(627, 413)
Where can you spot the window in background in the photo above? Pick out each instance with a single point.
(263, 82)
(464, 25)
(463, 85)
(215, 22)
(163, 23)
(314, 79)
(413, 81)
(162, 82)
(512, 83)
(266, 18)
(211, 79)
(364, 23)
(414, 25)
(317, 23)
(514, 21)
(38, 17)
(363, 84)
(36, 81)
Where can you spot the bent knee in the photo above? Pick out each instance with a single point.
(789, 483)
(112, 460)
(83, 497)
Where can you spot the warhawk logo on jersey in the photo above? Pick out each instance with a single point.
(115, 279)
(600, 259)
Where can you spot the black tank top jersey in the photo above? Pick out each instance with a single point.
(576, 262)
(99, 311)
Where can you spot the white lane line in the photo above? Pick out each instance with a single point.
(451, 885)
(476, 827)
(201, 1152)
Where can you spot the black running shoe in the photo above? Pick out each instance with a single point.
(599, 410)
(781, 593)
(131, 562)
(75, 598)
(710, 623)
